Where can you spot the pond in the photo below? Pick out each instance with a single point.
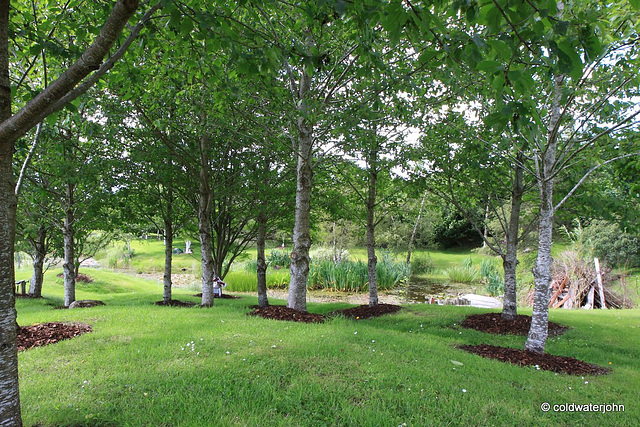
(422, 290)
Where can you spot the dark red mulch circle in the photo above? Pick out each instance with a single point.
(492, 323)
(49, 333)
(547, 362)
(224, 296)
(367, 312)
(281, 312)
(80, 278)
(175, 303)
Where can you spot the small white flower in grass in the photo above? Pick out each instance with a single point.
(228, 352)
(586, 382)
(273, 346)
(355, 333)
(373, 340)
(464, 390)
(569, 388)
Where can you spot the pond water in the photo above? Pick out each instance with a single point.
(421, 290)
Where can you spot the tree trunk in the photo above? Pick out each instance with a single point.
(168, 250)
(9, 393)
(69, 267)
(485, 231)
(263, 300)
(510, 259)
(204, 225)
(415, 229)
(371, 226)
(40, 252)
(539, 330)
(299, 267)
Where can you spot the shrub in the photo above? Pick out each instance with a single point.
(328, 254)
(281, 258)
(606, 241)
(421, 264)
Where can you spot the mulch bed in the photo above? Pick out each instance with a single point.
(547, 362)
(492, 323)
(367, 312)
(175, 303)
(281, 312)
(224, 296)
(49, 333)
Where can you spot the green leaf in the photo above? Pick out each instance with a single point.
(501, 48)
(498, 82)
(186, 26)
(489, 66)
(635, 4)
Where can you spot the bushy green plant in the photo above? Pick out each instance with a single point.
(492, 277)
(606, 241)
(278, 257)
(353, 276)
(421, 264)
(324, 253)
(251, 266)
(465, 273)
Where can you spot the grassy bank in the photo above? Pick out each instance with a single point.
(154, 366)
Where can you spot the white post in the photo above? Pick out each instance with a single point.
(596, 261)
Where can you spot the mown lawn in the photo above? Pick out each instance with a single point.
(146, 365)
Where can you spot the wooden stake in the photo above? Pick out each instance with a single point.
(596, 261)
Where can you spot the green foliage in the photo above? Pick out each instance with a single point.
(421, 264)
(454, 231)
(492, 277)
(466, 273)
(328, 254)
(353, 276)
(278, 257)
(607, 241)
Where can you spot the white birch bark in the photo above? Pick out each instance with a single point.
(68, 267)
(299, 267)
(546, 159)
(39, 254)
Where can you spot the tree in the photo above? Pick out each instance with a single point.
(566, 76)
(12, 127)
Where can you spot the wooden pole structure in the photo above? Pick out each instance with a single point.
(596, 261)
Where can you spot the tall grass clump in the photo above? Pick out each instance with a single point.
(492, 277)
(353, 276)
(465, 273)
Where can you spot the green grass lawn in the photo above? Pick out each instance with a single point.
(146, 365)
